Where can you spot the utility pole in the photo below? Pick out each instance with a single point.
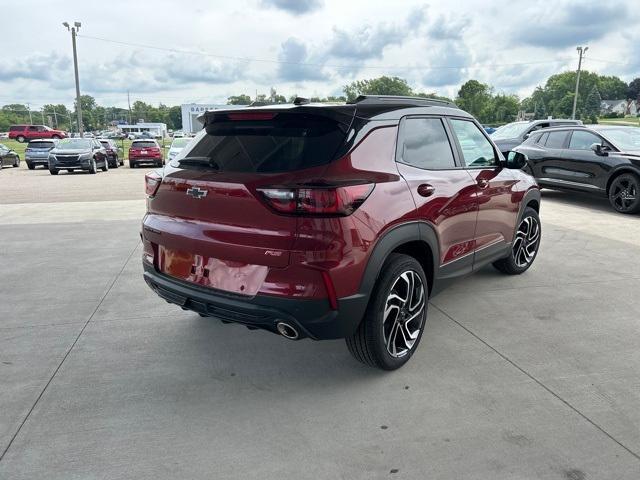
(29, 110)
(581, 52)
(42, 113)
(74, 30)
(129, 102)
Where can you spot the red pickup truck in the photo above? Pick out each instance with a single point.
(29, 132)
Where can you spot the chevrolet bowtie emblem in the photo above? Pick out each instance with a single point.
(197, 193)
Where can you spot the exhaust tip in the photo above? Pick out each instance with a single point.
(287, 331)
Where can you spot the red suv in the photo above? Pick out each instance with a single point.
(145, 151)
(335, 221)
(29, 132)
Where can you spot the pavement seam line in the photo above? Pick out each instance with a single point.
(64, 358)
(539, 382)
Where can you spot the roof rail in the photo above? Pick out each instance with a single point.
(417, 101)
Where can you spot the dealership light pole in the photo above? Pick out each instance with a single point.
(73, 30)
(581, 52)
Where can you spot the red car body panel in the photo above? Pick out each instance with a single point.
(30, 132)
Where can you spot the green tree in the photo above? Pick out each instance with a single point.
(239, 100)
(476, 98)
(592, 105)
(633, 90)
(503, 109)
(377, 86)
(612, 88)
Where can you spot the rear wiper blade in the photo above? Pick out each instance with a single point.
(199, 162)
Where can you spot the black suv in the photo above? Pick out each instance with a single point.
(600, 159)
(78, 154)
(513, 134)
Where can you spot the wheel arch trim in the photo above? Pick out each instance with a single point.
(403, 234)
(619, 171)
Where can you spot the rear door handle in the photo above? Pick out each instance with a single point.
(426, 190)
(482, 183)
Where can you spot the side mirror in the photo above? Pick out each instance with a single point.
(516, 160)
(526, 136)
(600, 149)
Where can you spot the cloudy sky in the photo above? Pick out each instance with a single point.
(179, 52)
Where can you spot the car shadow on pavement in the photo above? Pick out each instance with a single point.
(578, 199)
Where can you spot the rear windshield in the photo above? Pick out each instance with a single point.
(40, 144)
(149, 144)
(284, 143)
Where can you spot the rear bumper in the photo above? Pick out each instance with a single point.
(146, 159)
(37, 160)
(313, 318)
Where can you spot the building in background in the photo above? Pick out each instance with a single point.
(155, 129)
(191, 112)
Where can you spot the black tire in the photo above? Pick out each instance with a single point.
(53, 171)
(20, 138)
(372, 341)
(115, 163)
(105, 167)
(92, 167)
(121, 162)
(525, 245)
(624, 193)
(30, 166)
(70, 170)
(56, 137)
(16, 162)
(132, 164)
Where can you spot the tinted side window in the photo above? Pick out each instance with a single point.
(543, 139)
(556, 139)
(424, 144)
(476, 149)
(583, 140)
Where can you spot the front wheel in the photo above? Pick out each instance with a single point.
(525, 245)
(30, 166)
(392, 326)
(92, 166)
(105, 167)
(53, 171)
(624, 193)
(16, 162)
(20, 139)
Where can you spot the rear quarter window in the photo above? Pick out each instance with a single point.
(556, 139)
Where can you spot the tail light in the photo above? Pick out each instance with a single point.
(152, 181)
(324, 201)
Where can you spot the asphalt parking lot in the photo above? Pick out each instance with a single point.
(533, 377)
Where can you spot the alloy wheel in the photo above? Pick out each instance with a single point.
(403, 315)
(525, 243)
(623, 193)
